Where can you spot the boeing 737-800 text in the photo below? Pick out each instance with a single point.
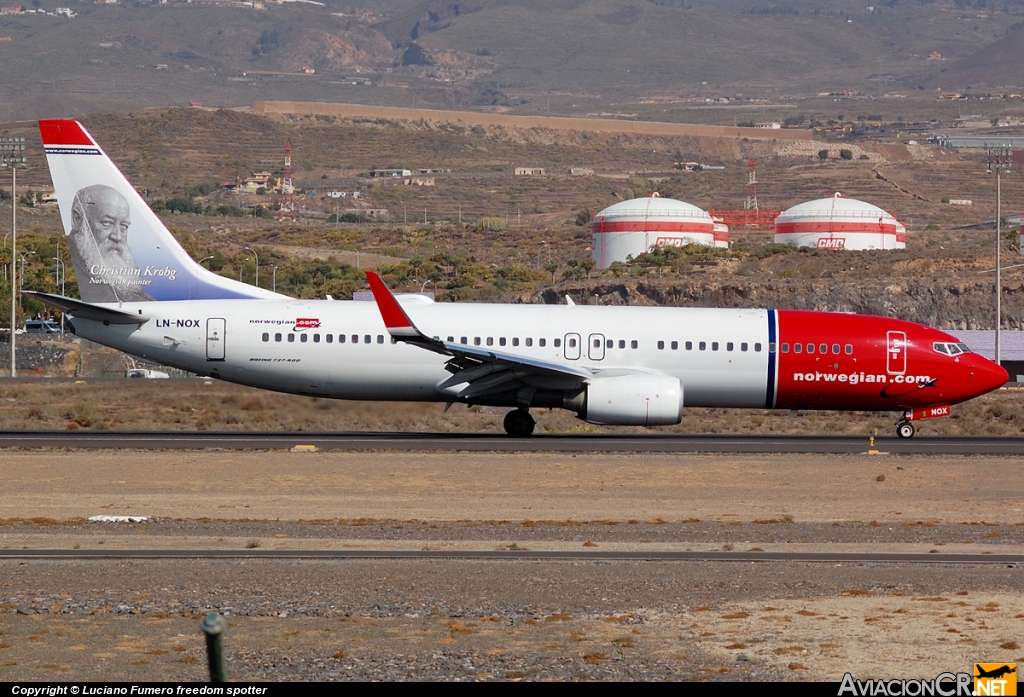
(141, 293)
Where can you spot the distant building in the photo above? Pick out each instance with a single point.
(395, 173)
(419, 181)
(259, 180)
(772, 125)
(581, 171)
(946, 140)
(530, 171)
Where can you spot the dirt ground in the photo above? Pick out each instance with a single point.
(432, 486)
(452, 620)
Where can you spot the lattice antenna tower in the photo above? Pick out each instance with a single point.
(287, 189)
(751, 204)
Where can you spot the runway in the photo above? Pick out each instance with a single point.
(686, 443)
(522, 555)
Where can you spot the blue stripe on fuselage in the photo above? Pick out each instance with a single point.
(769, 394)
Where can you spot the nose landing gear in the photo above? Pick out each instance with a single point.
(905, 429)
(519, 423)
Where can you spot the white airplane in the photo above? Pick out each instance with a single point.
(142, 294)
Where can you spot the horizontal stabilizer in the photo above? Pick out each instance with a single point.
(96, 313)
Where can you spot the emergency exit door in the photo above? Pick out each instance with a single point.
(896, 358)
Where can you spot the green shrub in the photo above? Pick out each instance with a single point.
(490, 223)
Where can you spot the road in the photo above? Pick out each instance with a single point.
(234, 440)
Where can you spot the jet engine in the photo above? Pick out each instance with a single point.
(638, 399)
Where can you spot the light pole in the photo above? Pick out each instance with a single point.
(12, 154)
(275, 278)
(21, 281)
(241, 267)
(999, 158)
(250, 249)
(60, 280)
(425, 285)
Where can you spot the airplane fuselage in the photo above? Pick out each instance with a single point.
(722, 357)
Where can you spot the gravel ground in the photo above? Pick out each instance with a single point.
(313, 620)
(502, 619)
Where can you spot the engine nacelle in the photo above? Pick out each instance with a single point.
(633, 400)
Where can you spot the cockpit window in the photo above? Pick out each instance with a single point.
(950, 349)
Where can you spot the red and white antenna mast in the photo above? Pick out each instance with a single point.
(751, 204)
(287, 190)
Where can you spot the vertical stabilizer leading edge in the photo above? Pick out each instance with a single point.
(120, 249)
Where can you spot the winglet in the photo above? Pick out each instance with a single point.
(398, 323)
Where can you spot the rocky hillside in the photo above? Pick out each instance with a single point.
(941, 304)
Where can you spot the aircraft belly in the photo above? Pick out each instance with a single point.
(391, 380)
(733, 388)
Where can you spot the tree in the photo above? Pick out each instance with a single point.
(552, 267)
(846, 154)
(823, 154)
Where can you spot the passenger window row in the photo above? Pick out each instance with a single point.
(703, 346)
(514, 341)
(326, 338)
(821, 348)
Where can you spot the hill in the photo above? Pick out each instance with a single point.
(566, 56)
(997, 65)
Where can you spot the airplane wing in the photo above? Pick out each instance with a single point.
(476, 372)
(78, 308)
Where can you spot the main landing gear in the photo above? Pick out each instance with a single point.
(905, 429)
(519, 423)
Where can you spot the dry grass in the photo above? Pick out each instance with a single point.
(179, 405)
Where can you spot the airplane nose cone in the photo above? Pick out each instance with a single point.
(987, 376)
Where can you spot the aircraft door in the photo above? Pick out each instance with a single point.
(595, 347)
(215, 332)
(896, 356)
(572, 350)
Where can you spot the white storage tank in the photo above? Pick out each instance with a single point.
(839, 223)
(631, 228)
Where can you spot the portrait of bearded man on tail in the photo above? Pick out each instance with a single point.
(98, 240)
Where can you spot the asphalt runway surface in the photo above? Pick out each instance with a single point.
(654, 555)
(234, 440)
